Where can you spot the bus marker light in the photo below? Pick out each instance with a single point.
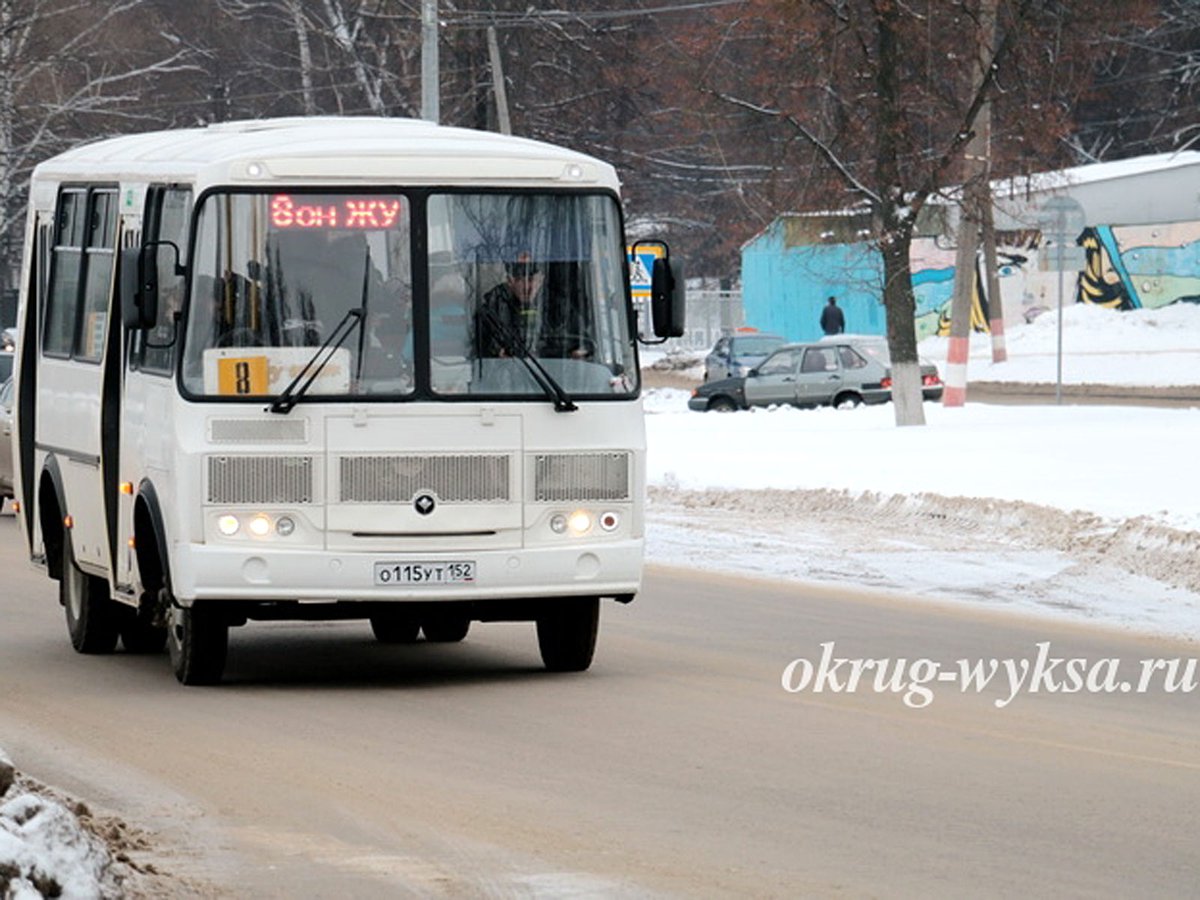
(609, 521)
(68, 522)
(127, 488)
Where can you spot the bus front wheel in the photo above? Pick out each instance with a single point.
(198, 640)
(567, 634)
(92, 616)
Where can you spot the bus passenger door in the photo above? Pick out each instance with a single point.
(75, 341)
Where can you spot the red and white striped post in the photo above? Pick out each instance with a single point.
(955, 393)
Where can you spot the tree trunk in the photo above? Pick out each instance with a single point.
(900, 306)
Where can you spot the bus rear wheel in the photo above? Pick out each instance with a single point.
(198, 639)
(567, 634)
(93, 619)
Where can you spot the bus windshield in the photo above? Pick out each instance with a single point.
(515, 289)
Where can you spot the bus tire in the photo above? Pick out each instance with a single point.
(93, 619)
(449, 629)
(567, 634)
(393, 629)
(198, 639)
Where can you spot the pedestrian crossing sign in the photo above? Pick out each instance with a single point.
(641, 265)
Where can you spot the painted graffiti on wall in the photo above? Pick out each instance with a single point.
(1126, 267)
(1131, 267)
(786, 282)
(933, 281)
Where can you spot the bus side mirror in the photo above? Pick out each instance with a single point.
(666, 293)
(667, 298)
(139, 288)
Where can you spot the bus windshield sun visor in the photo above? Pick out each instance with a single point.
(561, 399)
(298, 386)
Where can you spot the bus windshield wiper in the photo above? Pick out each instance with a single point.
(561, 399)
(298, 387)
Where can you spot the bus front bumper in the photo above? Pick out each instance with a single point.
(206, 572)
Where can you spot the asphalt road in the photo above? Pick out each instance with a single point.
(328, 765)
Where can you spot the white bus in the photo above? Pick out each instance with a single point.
(330, 368)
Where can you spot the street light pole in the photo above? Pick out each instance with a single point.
(429, 62)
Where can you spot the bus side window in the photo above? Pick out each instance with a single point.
(169, 210)
(62, 299)
(98, 270)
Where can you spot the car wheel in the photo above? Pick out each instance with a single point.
(390, 628)
(446, 629)
(93, 618)
(198, 639)
(567, 634)
(848, 400)
(721, 404)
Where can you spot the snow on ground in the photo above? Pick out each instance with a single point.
(1088, 513)
(1140, 347)
(51, 846)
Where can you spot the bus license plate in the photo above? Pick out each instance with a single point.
(460, 572)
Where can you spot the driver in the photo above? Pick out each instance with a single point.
(519, 313)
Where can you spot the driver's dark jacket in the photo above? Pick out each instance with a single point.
(500, 326)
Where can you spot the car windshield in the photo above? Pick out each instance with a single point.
(519, 290)
(755, 345)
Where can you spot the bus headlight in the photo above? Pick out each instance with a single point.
(228, 525)
(260, 525)
(558, 523)
(285, 526)
(580, 521)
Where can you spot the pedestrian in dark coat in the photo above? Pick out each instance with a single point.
(832, 320)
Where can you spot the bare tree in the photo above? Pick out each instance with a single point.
(881, 91)
(69, 70)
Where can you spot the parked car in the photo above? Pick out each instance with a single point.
(736, 354)
(835, 371)
(6, 454)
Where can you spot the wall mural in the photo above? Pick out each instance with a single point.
(1126, 267)
(1140, 266)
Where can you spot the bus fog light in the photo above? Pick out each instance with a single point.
(580, 521)
(609, 521)
(228, 525)
(260, 525)
(558, 523)
(285, 526)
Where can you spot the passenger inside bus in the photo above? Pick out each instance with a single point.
(386, 360)
(316, 276)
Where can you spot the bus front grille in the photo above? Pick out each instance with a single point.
(260, 479)
(477, 478)
(559, 477)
